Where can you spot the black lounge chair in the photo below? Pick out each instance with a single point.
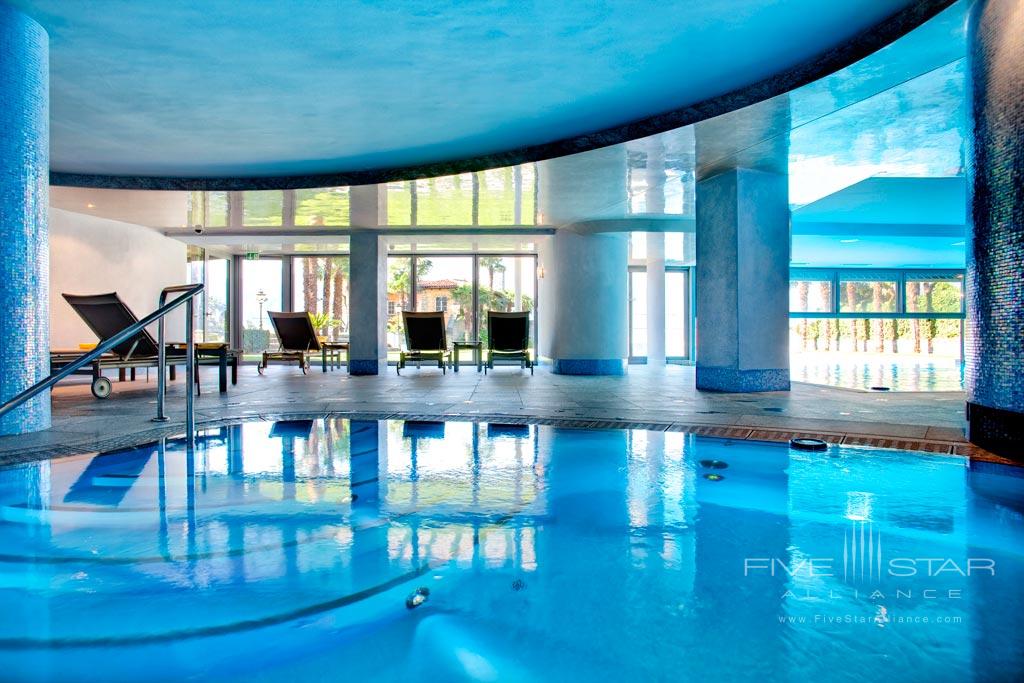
(508, 338)
(424, 339)
(107, 315)
(296, 340)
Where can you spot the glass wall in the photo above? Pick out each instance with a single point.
(322, 206)
(496, 197)
(448, 200)
(320, 285)
(399, 299)
(263, 208)
(218, 277)
(211, 307)
(445, 283)
(262, 289)
(506, 283)
(894, 328)
(638, 314)
(677, 314)
(464, 287)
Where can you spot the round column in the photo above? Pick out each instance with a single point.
(995, 277)
(583, 294)
(24, 201)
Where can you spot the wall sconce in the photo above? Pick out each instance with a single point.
(540, 272)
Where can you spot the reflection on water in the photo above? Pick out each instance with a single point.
(288, 551)
(851, 372)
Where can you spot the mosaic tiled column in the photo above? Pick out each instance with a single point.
(743, 282)
(24, 243)
(995, 258)
(368, 268)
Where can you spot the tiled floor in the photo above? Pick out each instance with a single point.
(660, 397)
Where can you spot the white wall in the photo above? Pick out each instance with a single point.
(90, 255)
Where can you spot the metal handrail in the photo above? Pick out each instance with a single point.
(189, 293)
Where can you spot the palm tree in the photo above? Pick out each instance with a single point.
(876, 305)
(803, 289)
(493, 264)
(338, 299)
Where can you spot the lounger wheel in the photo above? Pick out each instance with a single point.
(101, 387)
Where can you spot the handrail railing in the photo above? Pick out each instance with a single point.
(189, 293)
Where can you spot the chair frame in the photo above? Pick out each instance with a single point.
(417, 356)
(521, 355)
(290, 355)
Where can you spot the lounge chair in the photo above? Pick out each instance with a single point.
(508, 338)
(107, 315)
(424, 339)
(296, 340)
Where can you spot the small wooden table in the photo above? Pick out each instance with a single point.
(333, 349)
(478, 356)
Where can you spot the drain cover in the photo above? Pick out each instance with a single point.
(808, 444)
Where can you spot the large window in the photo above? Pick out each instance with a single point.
(506, 283)
(262, 287)
(811, 294)
(262, 208)
(400, 277)
(891, 312)
(464, 287)
(218, 271)
(211, 307)
(323, 206)
(677, 314)
(320, 286)
(447, 200)
(637, 314)
(867, 292)
(445, 283)
(495, 197)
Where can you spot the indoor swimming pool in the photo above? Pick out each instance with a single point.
(333, 549)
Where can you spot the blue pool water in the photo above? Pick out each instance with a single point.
(287, 552)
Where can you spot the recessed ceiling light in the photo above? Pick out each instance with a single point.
(90, 205)
(848, 241)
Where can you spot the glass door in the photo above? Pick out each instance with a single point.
(677, 314)
(506, 283)
(445, 283)
(637, 315)
(262, 291)
(320, 286)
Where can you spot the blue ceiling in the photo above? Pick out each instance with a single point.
(223, 89)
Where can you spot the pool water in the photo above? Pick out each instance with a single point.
(289, 551)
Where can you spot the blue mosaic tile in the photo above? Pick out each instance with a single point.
(588, 366)
(994, 341)
(741, 381)
(24, 202)
(364, 367)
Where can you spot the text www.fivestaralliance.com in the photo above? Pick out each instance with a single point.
(825, 619)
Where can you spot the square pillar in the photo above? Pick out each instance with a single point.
(743, 282)
(368, 270)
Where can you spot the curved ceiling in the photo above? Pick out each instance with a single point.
(292, 93)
